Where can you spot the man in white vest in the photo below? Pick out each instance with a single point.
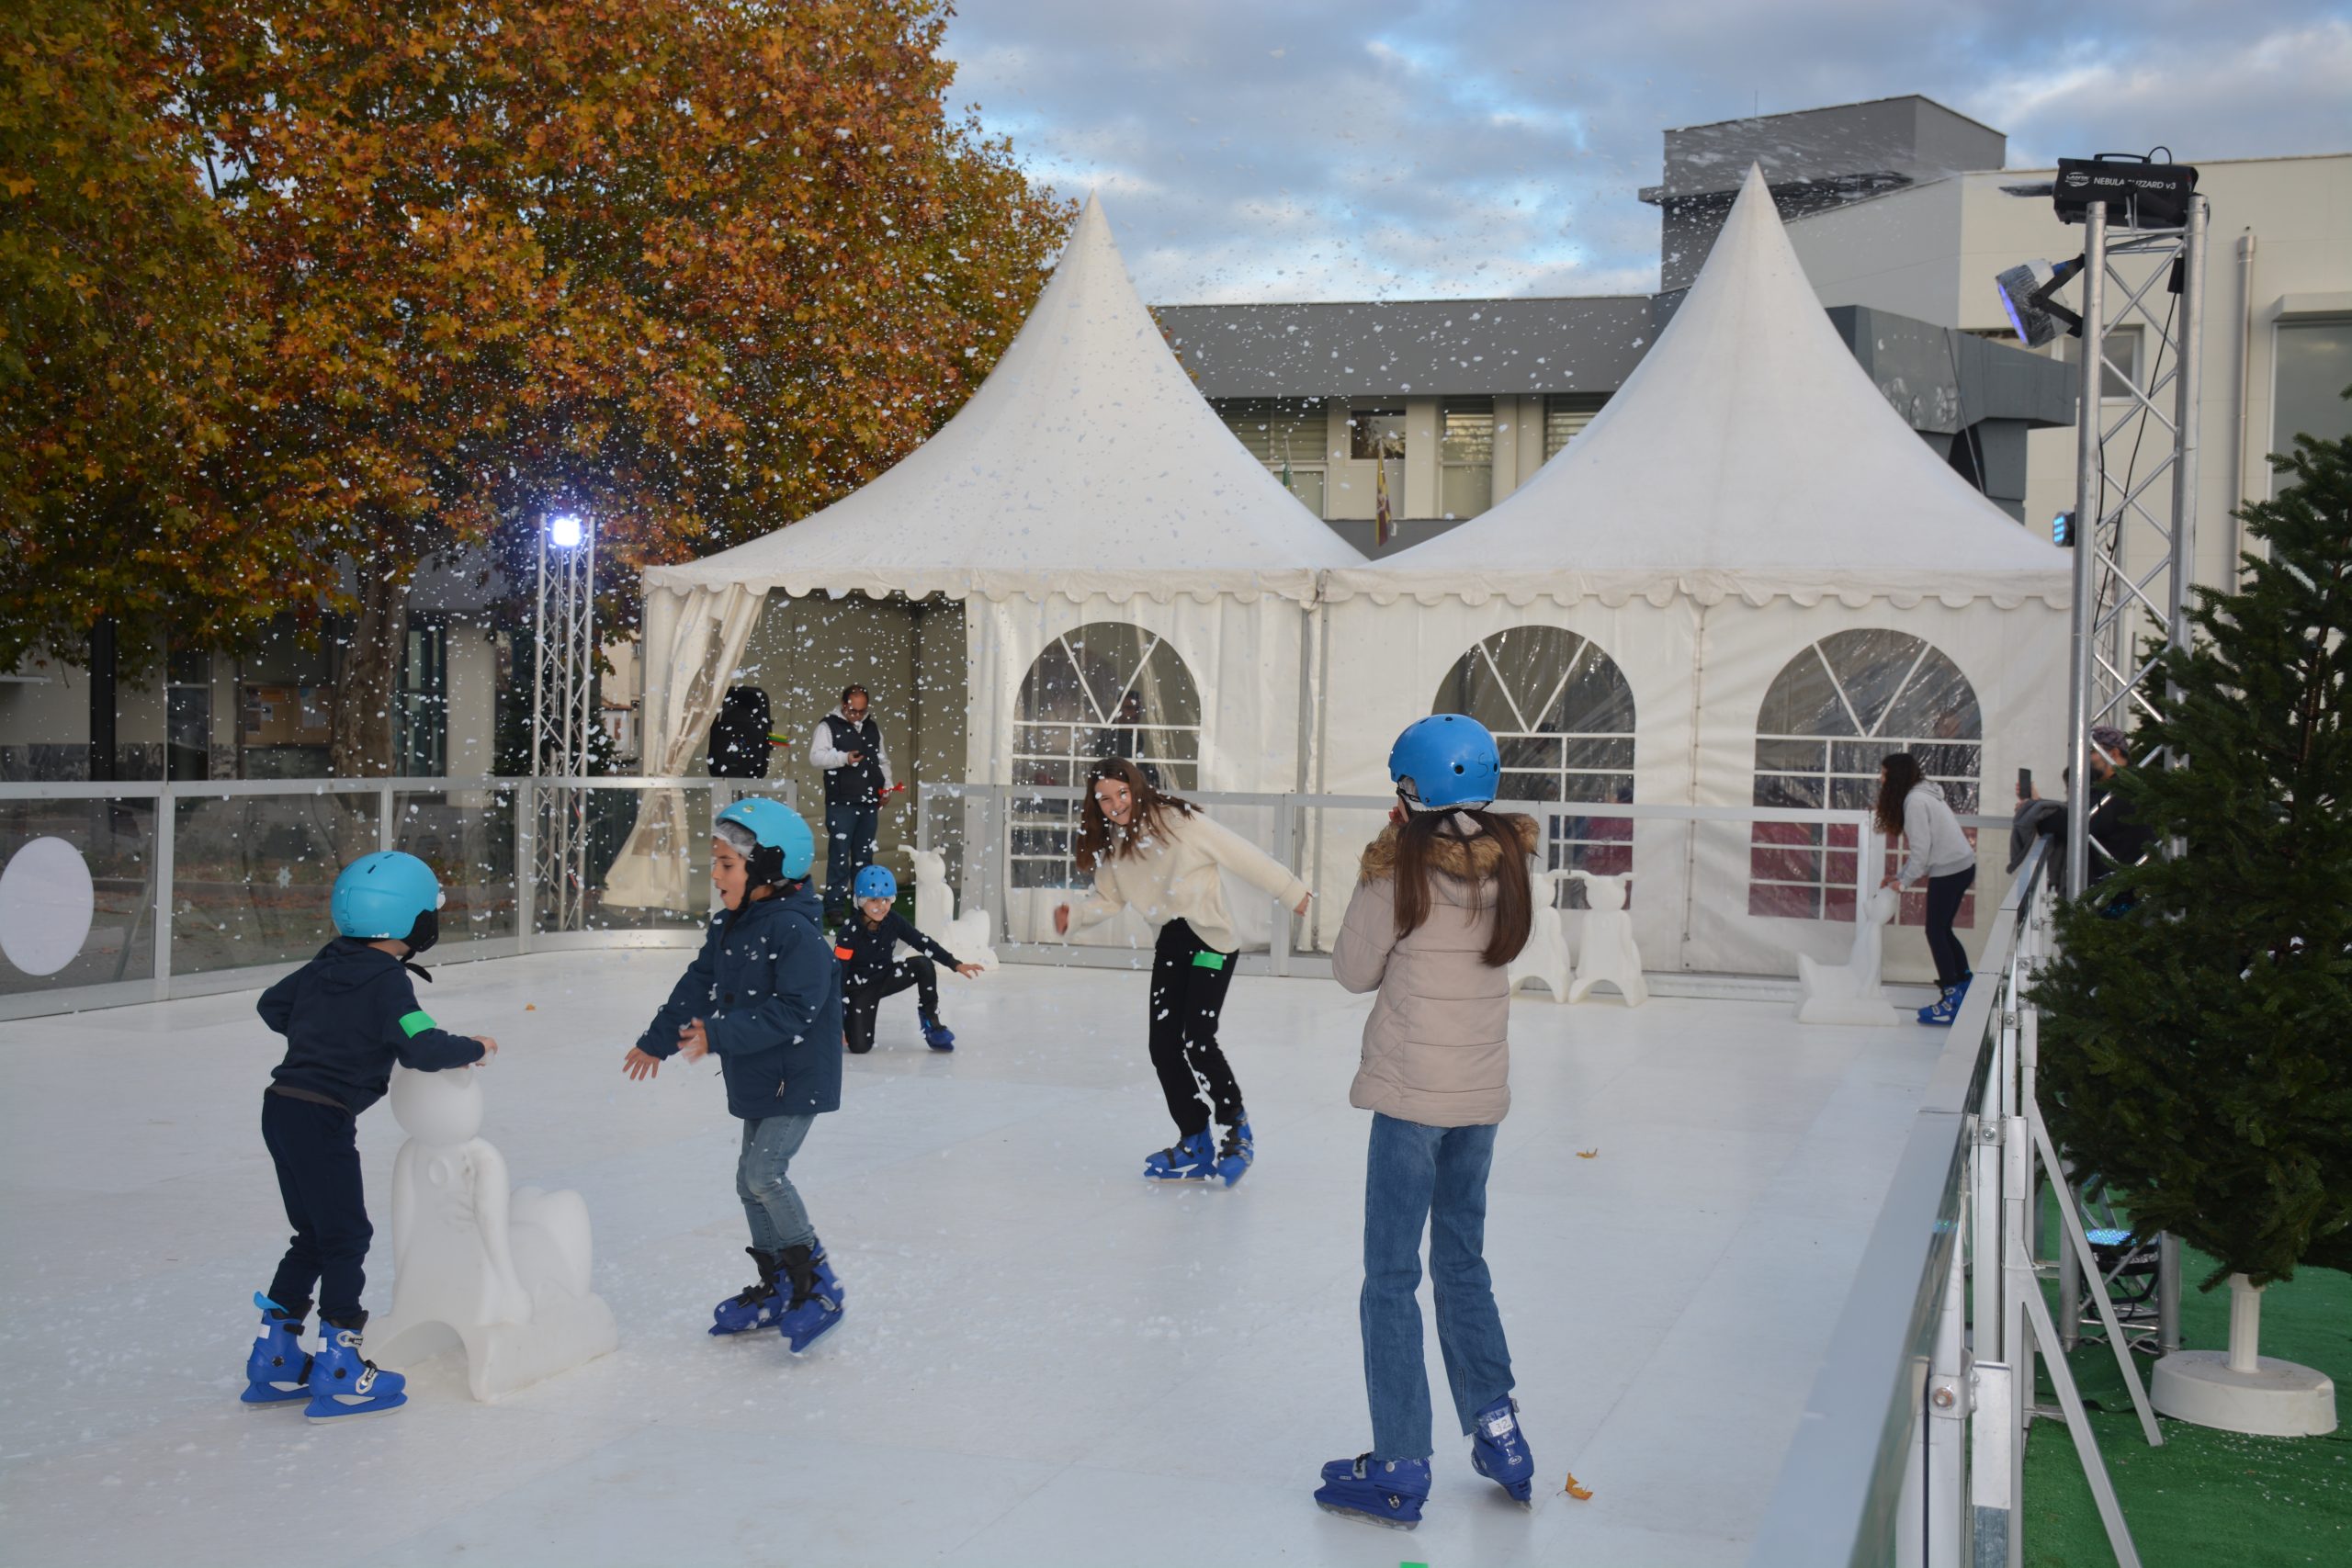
(848, 746)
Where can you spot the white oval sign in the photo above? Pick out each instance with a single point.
(46, 904)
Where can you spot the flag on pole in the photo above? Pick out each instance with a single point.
(1382, 528)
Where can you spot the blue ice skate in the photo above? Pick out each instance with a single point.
(1387, 1491)
(345, 1384)
(937, 1035)
(1192, 1158)
(819, 1302)
(1499, 1450)
(1940, 1013)
(1233, 1157)
(757, 1305)
(277, 1370)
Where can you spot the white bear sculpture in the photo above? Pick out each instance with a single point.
(1609, 957)
(966, 935)
(1830, 993)
(505, 1275)
(1546, 956)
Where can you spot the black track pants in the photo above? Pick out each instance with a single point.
(1186, 998)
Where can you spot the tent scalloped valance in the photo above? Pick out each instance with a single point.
(1038, 587)
(1702, 588)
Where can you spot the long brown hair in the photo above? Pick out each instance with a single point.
(1895, 786)
(1099, 838)
(1514, 900)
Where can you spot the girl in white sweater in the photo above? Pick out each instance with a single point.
(1161, 857)
(1938, 850)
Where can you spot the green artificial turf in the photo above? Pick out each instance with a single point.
(2206, 1499)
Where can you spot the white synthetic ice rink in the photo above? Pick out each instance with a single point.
(1047, 1362)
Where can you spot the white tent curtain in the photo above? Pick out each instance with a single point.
(707, 633)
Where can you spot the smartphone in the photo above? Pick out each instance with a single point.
(2024, 783)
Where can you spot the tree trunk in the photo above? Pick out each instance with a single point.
(360, 741)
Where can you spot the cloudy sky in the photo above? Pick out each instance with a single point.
(1312, 150)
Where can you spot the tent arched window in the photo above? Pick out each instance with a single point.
(1105, 689)
(1831, 713)
(1563, 714)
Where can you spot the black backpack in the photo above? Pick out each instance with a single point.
(739, 735)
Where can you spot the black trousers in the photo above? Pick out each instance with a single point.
(1186, 998)
(861, 1000)
(316, 1150)
(1944, 894)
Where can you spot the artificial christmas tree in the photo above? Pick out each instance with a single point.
(2197, 1022)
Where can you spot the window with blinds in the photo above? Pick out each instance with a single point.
(1274, 429)
(1466, 455)
(1564, 416)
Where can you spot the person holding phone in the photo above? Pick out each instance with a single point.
(1163, 858)
(848, 746)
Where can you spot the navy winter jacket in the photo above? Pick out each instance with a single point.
(765, 989)
(867, 952)
(347, 1016)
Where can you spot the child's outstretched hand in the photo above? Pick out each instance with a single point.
(970, 971)
(694, 1041)
(488, 1048)
(638, 1066)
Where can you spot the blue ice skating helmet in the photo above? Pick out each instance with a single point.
(876, 882)
(385, 894)
(1445, 760)
(785, 849)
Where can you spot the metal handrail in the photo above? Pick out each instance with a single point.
(1842, 1488)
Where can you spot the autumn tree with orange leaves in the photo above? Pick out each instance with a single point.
(125, 337)
(697, 268)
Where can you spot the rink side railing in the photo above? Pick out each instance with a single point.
(212, 886)
(1910, 1450)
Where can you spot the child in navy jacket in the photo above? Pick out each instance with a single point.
(867, 946)
(762, 997)
(348, 1016)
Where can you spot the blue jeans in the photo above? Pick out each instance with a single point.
(1436, 1176)
(778, 1217)
(849, 849)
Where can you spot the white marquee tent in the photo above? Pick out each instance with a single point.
(1742, 584)
(1086, 482)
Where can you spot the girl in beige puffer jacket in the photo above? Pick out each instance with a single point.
(1443, 903)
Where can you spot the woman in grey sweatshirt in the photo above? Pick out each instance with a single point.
(1938, 850)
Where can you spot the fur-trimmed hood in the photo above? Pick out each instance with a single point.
(1467, 860)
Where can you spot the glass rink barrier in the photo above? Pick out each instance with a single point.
(1715, 895)
(133, 892)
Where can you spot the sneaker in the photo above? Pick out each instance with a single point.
(1191, 1159)
(1499, 1450)
(1387, 1491)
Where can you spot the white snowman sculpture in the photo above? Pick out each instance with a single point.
(1546, 956)
(1850, 993)
(1610, 956)
(965, 935)
(505, 1275)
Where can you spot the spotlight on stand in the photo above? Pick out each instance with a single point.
(2061, 530)
(2026, 289)
(565, 531)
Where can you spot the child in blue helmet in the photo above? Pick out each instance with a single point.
(1442, 903)
(348, 1015)
(867, 945)
(762, 998)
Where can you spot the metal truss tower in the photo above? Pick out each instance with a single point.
(562, 716)
(2133, 561)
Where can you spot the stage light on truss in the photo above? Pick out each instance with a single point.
(565, 530)
(2026, 289)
